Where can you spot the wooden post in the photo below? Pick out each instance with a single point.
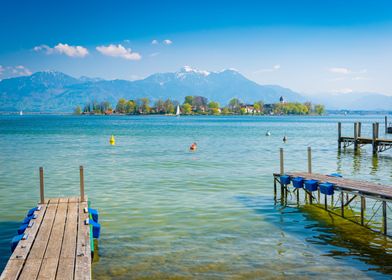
(342, 205)
(339, 135)
(325, 202)
(297, 196)
(374, 139)
(384, 217)
(386, 124)
(355, 136)
(81, 184)
(274, 188)
(359, 129)
(309, 160)
(362, 209)
(41, 185)
(281, 162)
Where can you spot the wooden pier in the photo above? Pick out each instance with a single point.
(364, 203)
(56, 243)
(378, 144)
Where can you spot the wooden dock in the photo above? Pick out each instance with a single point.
(56, 244)
(378, 144)
(364, 203)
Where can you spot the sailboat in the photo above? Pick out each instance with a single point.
(21, 113)
(178, 112)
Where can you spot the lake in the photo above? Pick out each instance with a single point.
(167, 213)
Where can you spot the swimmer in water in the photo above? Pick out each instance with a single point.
(193, 147)
(284, 139)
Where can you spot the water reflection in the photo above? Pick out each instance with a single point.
(7, 231)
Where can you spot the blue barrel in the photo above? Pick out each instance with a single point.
(326, 188)
(31, 211)
(285, 179)
(96, 228)
(336, 175)
(94, 214)
(311, 185)
(298, 182)
(22, 228)
(15, 240)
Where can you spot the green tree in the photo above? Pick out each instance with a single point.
(159, 106)
(144, 105)
(309, 106)
(187, 108)
(188, 99)
(214, 111)
(168, 106)
(213, 104)
(121, 106)
(235, 105)
(242, 111)
(130, 107)
(225, 111)
(78, 110)
(319, 109)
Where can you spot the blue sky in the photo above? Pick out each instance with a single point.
(313, 47)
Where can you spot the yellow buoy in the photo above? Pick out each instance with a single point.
(112, 141)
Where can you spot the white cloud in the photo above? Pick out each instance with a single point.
(71, 51)
(343, 90)
(14, 71)
(154, 42)
(340, 70)
(119, 51)
(274, 68)
(154, 54)
(167, 42)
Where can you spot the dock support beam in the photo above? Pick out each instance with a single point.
(82, 184)
(359, 129)
(309, 160)
(363, 205)
(281, 161)
(384, 217)
(339, 135)
(355, 136)
(342, 204)
(41, 185)
(386, 124)
(375, 136)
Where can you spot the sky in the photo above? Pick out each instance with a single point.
(311, 46)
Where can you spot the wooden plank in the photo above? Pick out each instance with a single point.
(52, 253)
(68, 250)
(83, 250)
(24, 246)
(12, 270)
(34, 260)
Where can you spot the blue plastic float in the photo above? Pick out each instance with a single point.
(326, 188)
(285, 179)
(15, 240)
(96, 228)
(311, 185)
(94, 214)
(298, 182)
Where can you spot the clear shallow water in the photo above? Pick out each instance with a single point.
(167, 213)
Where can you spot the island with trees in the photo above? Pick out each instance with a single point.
(198, 105)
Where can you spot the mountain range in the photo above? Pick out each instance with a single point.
(51, 91)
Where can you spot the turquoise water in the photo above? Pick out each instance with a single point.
(167, 213)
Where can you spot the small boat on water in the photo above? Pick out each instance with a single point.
(268, 133)
(178, 112)
(21, 113)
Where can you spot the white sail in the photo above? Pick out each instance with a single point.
(21, 113)
(178, 110)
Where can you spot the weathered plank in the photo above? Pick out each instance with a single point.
(12, 270)
(83, 250)
(68, 250)
(34, 260)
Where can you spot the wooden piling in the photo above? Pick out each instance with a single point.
(82, 184)
(359, 129)
(386, 124)
(41, 185)
(362, 209)
(281, 162)
(339, 135)
(274, 188)
(374, 138)
(384, 217)
(355, 136)
(325, 202)
(342, 204)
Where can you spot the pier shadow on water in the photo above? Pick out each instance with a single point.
(332, 235)
(7, 231)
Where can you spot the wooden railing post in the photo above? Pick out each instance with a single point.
(355, 136)
(41, 185)
(339, 135)
(81, 184)
(386, 124)
(281, 162)
(359, 129)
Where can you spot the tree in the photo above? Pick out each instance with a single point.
(242, 111)
(144, 105)
(258, 107)
(105, 106)
(319, 109)
(214, 111)
(234, 105)
(309, 106)
(168, 106)
(188, 99)
(121, 106)
(213, 104)
(78, 110)
(187, 108)
(225, 111)
(130, 107)
(200, 103)
(159, 105)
